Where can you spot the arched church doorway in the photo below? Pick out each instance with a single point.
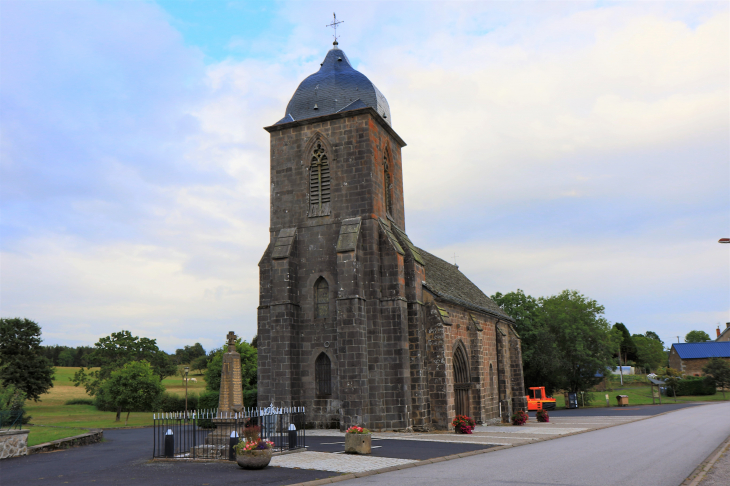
(462, 383)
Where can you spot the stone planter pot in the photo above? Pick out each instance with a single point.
(358, 443)
(256, 459)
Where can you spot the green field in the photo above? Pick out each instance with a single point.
(638, 395)
(50, 410)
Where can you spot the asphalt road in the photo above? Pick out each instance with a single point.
(125, 458)
(660, 451)
(612, 411)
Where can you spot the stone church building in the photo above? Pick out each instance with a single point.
(356, 322)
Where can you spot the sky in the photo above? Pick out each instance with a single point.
(551, 146)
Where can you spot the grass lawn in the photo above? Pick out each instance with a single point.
(638, 395)
(50, 410)
(41, 435)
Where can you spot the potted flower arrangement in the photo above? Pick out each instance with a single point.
(519, 417)
(252, 452)
(358, 440)
(463, 424)
(542, 416)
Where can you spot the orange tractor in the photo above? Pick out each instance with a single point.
(537, 399)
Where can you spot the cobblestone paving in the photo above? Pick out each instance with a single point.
(326, 461)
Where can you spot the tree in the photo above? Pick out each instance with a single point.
(539, 353)
(653, 335)
(671, 377)
(249, 366)
(719, 371)
(133, 388)
(199, 364)
(188, 353)
(21, 356)
(650, 351)
(582, 339)
(628, 350)
(112, 352)
(697, 337)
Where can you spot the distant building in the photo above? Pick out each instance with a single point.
(723, 335)
(690, 358)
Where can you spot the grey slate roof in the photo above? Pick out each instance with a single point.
(447, 282)
(709, 349)
(336, 87)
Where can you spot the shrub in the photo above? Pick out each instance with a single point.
(520, 417)
(171, 402)
(463, 424)
(695, 386)
(542, 416)
(250, 397)
(208, 400)
(80, 401)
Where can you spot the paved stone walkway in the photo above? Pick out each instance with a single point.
(345, 463)
(719, 474)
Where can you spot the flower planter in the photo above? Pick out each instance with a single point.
(256, 459)
(358, 443)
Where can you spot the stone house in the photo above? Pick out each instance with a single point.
(355, 322)
(690, 358)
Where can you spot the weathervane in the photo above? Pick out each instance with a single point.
(334, 26)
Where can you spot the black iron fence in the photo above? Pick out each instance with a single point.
(11, 419)
(210, 434)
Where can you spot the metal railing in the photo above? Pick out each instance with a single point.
(11, 419)
(210, 434)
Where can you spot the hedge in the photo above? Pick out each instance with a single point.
(694, 386)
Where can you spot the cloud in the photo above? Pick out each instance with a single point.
(551, 146)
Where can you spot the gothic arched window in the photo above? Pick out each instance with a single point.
(387, 185)
(321, 299)
(319, 181)
(323, 375)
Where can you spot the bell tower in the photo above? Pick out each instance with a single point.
(333, 315)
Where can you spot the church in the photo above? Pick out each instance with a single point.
(355, 322)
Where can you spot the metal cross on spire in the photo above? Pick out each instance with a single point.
(334, 26)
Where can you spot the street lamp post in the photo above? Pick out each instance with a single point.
(186, 392)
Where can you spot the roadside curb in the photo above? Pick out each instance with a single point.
(92, 437)
(699, 473)
(345, 477)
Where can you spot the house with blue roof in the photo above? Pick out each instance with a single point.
(690, 358)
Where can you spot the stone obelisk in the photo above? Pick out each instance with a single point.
(217, 443)
(231, 394)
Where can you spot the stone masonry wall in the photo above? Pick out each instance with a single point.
(13, 443)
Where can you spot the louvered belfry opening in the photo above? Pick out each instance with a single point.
(323, 375)
(462, 383)
(388, 185)
(319, 181)
(321, 299)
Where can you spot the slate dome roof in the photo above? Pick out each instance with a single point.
(336, 87)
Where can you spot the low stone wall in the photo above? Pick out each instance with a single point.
(94, 436)
(13, 443)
